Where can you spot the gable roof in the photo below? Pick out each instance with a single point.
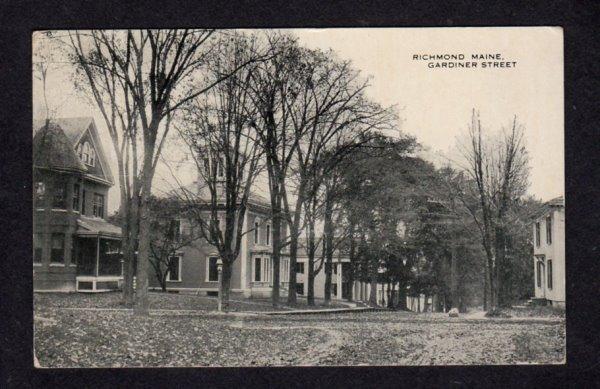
(53, 149)
(74, 129)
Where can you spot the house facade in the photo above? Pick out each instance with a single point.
(74, 248)
(194, 267)
(549, 254)
(341, 287)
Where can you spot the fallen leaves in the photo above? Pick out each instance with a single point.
(117, 338)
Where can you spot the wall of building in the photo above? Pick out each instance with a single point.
(554, 251)
(336, 279)
(194, 268)
(90, 187)
(47, 221)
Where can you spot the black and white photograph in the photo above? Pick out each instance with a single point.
(298, 197)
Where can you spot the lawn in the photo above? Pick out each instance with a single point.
(158, 300)
(109, 338)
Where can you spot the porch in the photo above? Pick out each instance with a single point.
(99, 259)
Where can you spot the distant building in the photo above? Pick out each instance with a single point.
(194, 267)
(341, 287)
(549, 254)
(74, 248)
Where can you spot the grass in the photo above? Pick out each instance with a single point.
(88, 338)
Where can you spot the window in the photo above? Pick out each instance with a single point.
(220, 167)
(537, 234)
(87, 154)
(257, 269)
(40, 191)
(334, 290)
(549, 229)
(268, 238)
(213, 270)
(539, 274)
(175, 230)
(92, 157)
(549, 274)
(335, 268)
(57, 254)
(76, 188)
(37, 248)
(58, 200)
(98, 205)
(83, 202)
(174, 273)
(256, 232)
(300, 288)
(300, 267)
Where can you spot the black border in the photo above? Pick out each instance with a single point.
(580, 23)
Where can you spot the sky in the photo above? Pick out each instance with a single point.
(434, 104)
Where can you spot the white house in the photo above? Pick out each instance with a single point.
(549, 254)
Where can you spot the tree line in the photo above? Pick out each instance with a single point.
(340, 173)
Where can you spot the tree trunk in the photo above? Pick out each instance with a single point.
(350, 276)
(454, 276)
(373, 296)
(486, 303)
(401, 297)
(294, 235)
(276, 253)
(294, 228)
(142, 304)
(328, 246)
(503, 280)
(162, 279)
(327, 291)
(134, 214)
(310, 286)
(225, 285)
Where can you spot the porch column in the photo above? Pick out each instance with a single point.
(97, 255)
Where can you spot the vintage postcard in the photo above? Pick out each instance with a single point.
(298, 197)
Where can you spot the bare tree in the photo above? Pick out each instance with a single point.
(273, 92)
(223, 144)
(329, 115)
(170, 233)
(162, 70)
(498, 167)
(97, 75)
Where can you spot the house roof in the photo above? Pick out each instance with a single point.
(556, 202)
(93, 226)
(73, 127)
(192, 190)
(53, 149)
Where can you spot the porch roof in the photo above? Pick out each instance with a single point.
(93, 226)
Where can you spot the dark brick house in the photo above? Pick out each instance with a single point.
(74, 248)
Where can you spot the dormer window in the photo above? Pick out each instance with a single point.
(87, 154)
